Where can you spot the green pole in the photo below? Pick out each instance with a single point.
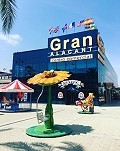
(49, 111)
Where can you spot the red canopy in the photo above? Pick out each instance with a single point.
(16, 86)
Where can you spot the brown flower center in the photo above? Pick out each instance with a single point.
(49, 74)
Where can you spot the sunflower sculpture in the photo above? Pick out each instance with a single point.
(48, 78)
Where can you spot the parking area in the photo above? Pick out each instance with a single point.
(90, 132)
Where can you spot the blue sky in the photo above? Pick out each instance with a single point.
(34, 18)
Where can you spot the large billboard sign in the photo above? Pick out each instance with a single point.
(73, 46)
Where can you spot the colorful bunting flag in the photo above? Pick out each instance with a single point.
(90, 21)
(87, 27)
(64, 28)
(90, 27)
(71, 25)
(95, 27)
(87, 23)
(50, 30)
(82, 22)
(56, 29)
(79, 24)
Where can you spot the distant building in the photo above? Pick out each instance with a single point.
(83, 55)
(5, 78)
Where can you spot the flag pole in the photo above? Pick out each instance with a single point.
(74, 29)
(52, 34)
(58, 30)
(66, 31)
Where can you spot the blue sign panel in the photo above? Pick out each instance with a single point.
(86, 39)
(77, 46)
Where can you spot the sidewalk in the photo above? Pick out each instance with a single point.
(90, 132)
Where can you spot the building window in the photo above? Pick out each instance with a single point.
(81, 64)
(91, 63)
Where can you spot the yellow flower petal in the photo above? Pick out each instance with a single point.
(48, 78)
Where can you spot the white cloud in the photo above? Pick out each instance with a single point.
(11, 39)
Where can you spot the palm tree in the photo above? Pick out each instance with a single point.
(8, 14)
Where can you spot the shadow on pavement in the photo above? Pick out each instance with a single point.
(31, 110)
(96, 113)
(18, 146)
(70, 147)
(1, 114)
(5, 129)
(34, 110)
(80, 129)
(17, 121)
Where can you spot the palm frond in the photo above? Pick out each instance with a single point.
(8, 14)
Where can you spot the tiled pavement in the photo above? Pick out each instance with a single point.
(90, 132)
